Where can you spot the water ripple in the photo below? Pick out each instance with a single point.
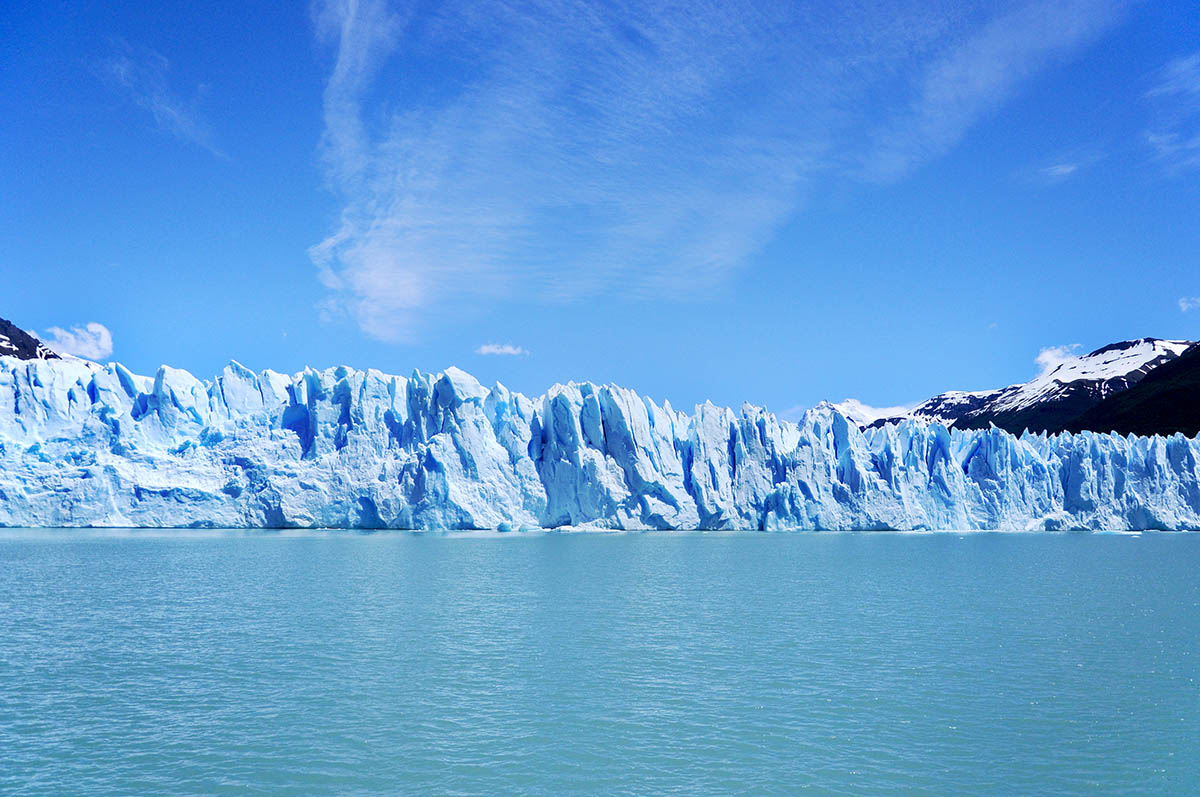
(681, 663)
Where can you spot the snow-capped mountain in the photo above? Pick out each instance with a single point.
(862, 414)
(16, 342)
(1053, 400)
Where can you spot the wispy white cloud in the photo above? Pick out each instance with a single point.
(1051, 357)
(502, 349)
(975, 75)
(1067, 165)
(1189, 303)
(1060, 171)
(559, 150)
(1175, 134)
(142, 74)
(1180, 77)
(1176, 150)
(92, 340)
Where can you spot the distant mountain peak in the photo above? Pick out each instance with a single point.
(16, 342)
(860, 413)
(1124, 345)
(1053, 400)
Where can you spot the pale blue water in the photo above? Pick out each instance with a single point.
(691, 663)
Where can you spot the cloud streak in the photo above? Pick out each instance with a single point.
(1175, 136)
(503, 349)
(1180, 77)
(1060, 171)
(1189, 303)
(553, 151)
(978, 73)
(142, 76)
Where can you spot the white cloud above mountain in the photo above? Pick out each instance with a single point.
(92, 341)
(1051, 357)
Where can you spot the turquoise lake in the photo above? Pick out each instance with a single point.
(234, 662)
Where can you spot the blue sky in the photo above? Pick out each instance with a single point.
(767, 202)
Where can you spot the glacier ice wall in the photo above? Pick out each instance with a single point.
(83, 444)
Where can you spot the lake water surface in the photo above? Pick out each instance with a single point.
(179, 661)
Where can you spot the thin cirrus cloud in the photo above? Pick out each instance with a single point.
(557, 150)
(503, 349)
(92, 341)
(1175, 136)
(1068, 165)
(142, 75)
(1189, 303)
(1060, 170)
(983, 67)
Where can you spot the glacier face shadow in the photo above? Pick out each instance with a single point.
(83, 444)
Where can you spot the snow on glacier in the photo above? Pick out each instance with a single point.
(83, 444)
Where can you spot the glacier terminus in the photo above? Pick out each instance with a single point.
(86, 444)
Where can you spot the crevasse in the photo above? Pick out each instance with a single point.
(83, 444)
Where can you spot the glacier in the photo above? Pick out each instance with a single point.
(86, 444)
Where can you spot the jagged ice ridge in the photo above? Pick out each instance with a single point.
(83, 444)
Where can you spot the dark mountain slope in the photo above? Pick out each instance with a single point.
(1165, 401)
(16, 342)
